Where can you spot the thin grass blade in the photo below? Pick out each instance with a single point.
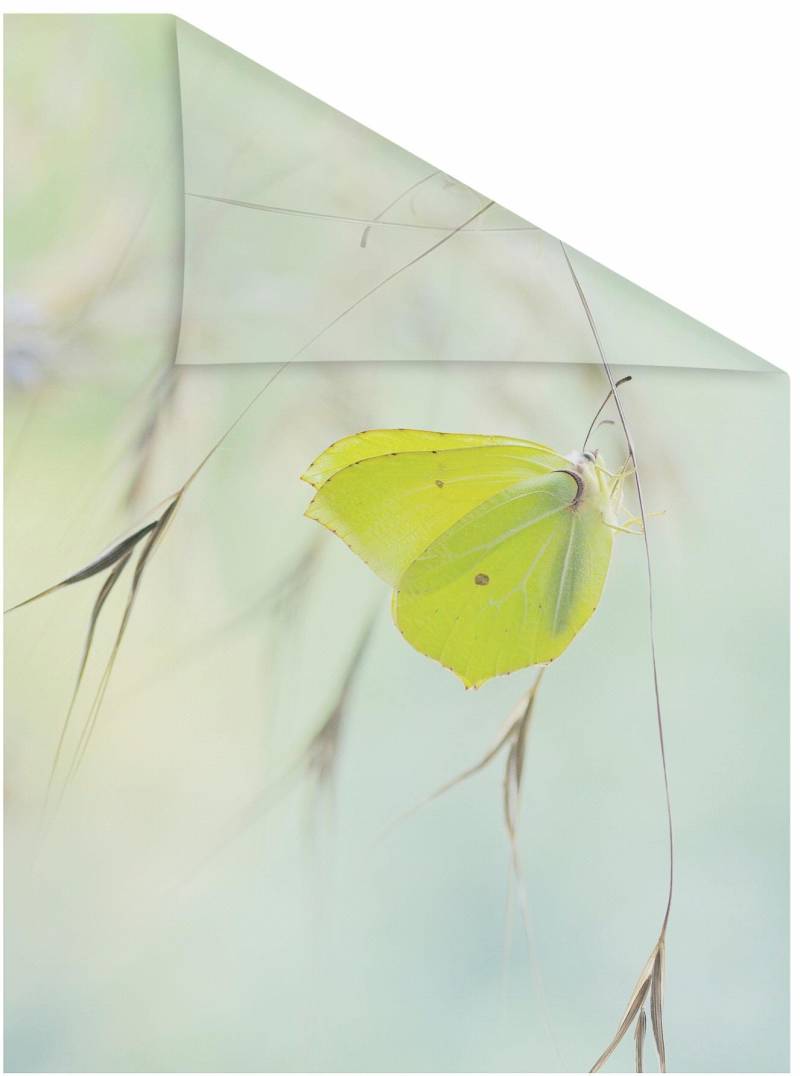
(515, 762)
(641, 1029)
(319, 757)
(637, 1000)
(156, 532)
(106, 589)
(506, 733)
(106, 559)
(656, 1002)
(161, 395)
(323, 748)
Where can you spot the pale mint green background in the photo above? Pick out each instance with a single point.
(307, 943)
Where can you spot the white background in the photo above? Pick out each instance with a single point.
(659, 138)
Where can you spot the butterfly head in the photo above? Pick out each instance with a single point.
(591, 478)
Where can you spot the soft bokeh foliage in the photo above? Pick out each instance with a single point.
(151, 933)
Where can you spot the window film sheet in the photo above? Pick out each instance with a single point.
(254, 821)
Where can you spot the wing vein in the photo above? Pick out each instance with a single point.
(564, 566)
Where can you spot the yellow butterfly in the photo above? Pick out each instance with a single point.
(497, 548)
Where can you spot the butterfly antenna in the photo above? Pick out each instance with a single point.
(599, 411)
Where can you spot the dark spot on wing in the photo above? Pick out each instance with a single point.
(481, 579)
(439, 483)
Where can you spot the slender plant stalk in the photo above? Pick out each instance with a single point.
(652, 978)
(318, 335)
(370, 222)
(161, 395)
(404, 194)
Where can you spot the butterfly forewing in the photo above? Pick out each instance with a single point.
(369, 443)
(390, 508)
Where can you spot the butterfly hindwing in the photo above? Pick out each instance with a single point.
(510, 584)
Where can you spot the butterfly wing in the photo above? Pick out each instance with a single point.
(370, 443)
(390, 506)
(510, 584)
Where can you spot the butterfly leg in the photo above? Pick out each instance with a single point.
(627, 528)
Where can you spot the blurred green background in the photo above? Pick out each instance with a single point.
(191, 907)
